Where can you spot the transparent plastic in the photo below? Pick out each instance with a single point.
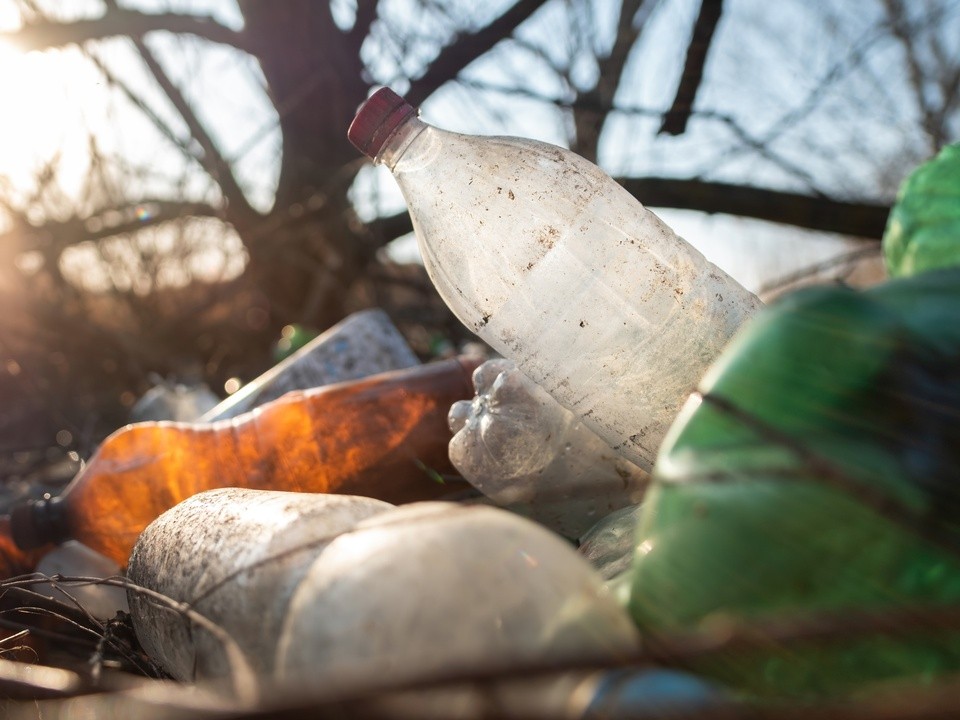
(526, 452)
(560, 269)
(609, 545)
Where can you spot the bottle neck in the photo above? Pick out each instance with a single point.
(39, 522)
(398, 142)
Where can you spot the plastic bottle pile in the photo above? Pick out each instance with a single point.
(773, 507)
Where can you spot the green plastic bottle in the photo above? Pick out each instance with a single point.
(816, 471)
(923, 230)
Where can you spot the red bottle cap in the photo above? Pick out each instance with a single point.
(377, 118)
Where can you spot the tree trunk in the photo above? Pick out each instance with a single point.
(306, 254)
(315, 79)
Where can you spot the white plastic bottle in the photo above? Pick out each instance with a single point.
(560, 269)
(312, 591)
(235, 556)
(429, 589)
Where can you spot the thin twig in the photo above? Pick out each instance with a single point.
(242, 676)
(16, 636)
(842, 260)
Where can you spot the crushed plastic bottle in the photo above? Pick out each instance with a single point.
(235, 556)
(560, 269)
(429, 589)
(362, 344)
(384, 436)
(526, 452)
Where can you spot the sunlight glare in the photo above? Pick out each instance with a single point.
(9, 58)
(39, 117)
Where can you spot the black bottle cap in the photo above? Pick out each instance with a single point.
(37, 522)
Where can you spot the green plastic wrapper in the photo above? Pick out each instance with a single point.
(816, 472)
(923, 231)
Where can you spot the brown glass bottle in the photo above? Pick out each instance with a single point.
(384, 437)
(13, 559)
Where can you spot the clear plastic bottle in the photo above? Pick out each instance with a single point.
(525, 452)
(560, 269)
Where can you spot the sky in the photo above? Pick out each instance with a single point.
(60, 98)
(762, 66)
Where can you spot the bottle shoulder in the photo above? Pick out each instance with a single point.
(450, 157)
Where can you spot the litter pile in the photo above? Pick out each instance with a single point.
(662, 500)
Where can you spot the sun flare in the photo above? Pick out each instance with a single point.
(39, 113)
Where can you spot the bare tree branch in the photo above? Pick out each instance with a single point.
(143, 107)
(580, 103)
(905, 34)
(856, 219)
(629, 28)
(467, 48)
(589, 123)
(109, 222)
(116, 22)
(391, 227)
(844, 261)
(675, 120)
(855, 59)
(211, 160)
(145, 213)
(591, 104)
(561, 69)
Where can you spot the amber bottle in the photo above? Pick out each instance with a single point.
(13, 559)
(385, 437)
